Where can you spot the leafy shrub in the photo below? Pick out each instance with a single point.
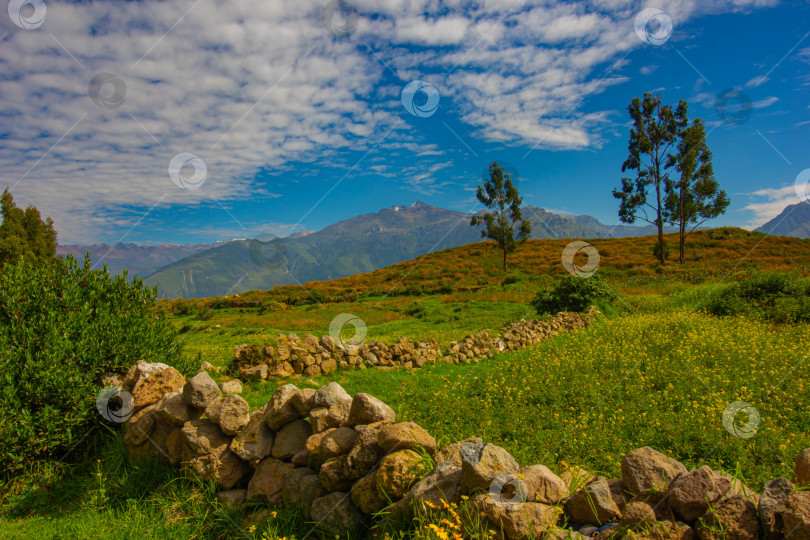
(62, 325)
(775, 296)
(573, 293)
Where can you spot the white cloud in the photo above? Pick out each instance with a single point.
(776, 199)
(249, 85)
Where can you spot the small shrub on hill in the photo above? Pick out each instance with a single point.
(773, 296)
(573, 293)
(62, 325)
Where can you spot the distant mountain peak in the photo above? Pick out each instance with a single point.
(794, 220)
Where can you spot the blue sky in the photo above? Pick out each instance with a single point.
(294, 127)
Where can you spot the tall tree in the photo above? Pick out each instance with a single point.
(655, 129)
(23, 233)
(502, 197)
(696, 196)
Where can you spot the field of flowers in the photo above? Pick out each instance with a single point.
(660, 380)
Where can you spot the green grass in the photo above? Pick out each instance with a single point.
(632, 380)
(657, 372)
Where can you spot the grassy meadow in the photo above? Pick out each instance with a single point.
(655, 370)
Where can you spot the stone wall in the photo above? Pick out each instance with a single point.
(344, 459)
(311, 357)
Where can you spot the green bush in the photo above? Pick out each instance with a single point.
(773, 296)
(574, 293)
(62, 325)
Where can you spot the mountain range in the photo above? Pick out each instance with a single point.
(137, 260)
(359, 244)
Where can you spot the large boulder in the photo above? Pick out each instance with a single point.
(291, 439)
(280, 409)
(336, 513)
(329, 395)
(637, 515)
(405, 435)
(311, 489)
(231, 498)
(442, 483)
(397, 473)
(796, 517)
(771, 507)
(542, 485)
(732, 518)
(255, 441)
(302, 400)
(234, 414)
(336, 442)
(593, 504)
(291, 485)
(644, 469)
(234, 386)
(173, 410)
(365, 495)
(334, 476)
(206, 452)
(482, 463)
(201, 390)
(366, 452)
(140, 426)
(149, 389)
(366, 409)
(323, 418)
(267, 481)
(519, 521)
(693, 492)
(141, 371)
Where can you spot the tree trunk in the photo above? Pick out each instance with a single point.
(681, 245)
(504, 260)
(660, 223)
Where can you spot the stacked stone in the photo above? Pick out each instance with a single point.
(343, 460)
(310, 357)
